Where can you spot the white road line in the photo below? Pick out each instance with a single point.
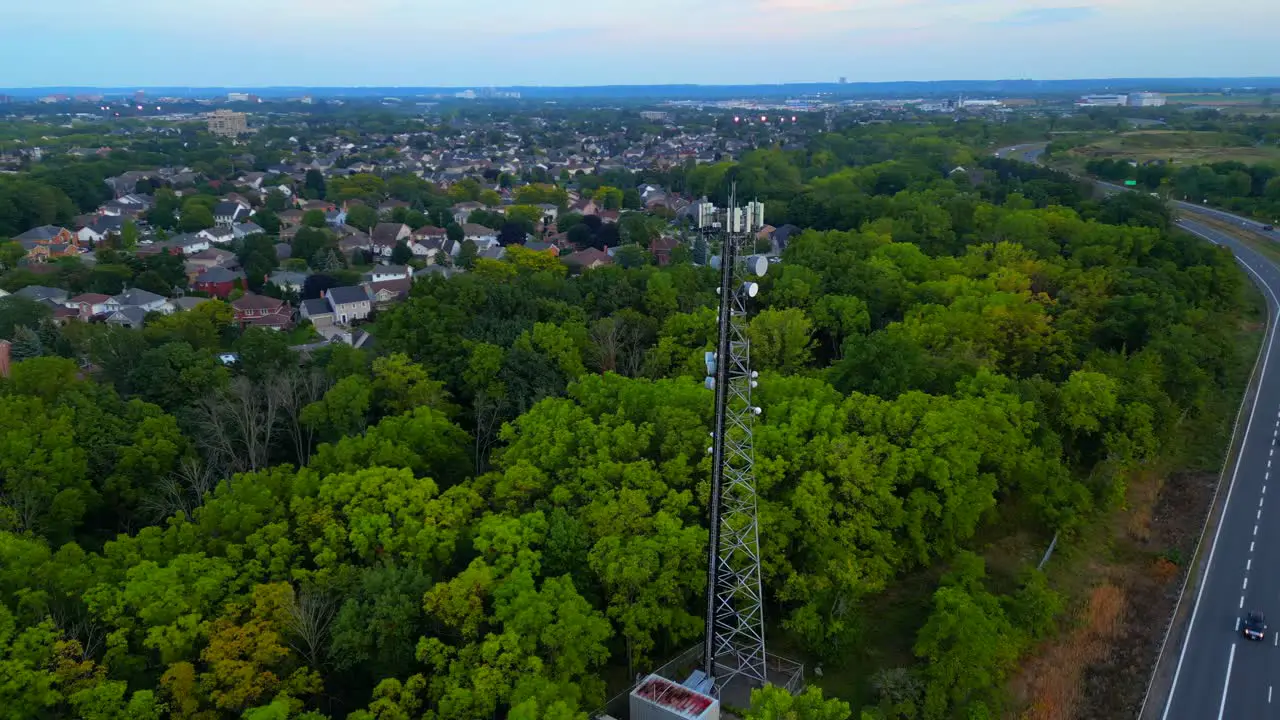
(1255, 529)
(1241, 602)
(1237, 623)
(1250, 547)
(1195, 609)
(1248, 565)
(1259, 517)
(1260, 501)
(1231, 659)
(1245, 586)
(1268, 693)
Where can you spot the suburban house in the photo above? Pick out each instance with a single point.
(220, 235)
(129, 316)
(213, 257)
(388, 292)
(186, 303)
(587, 259)
(349, 303)
(389, 272)
(102, 227)
(290, 218)
(262, 311)
(336, 218)
(497, 252)
(41, 293)
(317, 311)
(49, 241)
(661, 249)
(89, 304)
(548, 248)
(218, 281)
(463, 210)
(228, 213)
(289, 280)
(482, 236)
(177, 245)
(387, 235)
(245, 229)
(139, 298)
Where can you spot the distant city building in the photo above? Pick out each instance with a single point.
(980, 103)
(307, 100)
(237, 97)
(140, 96)
(226, 123)
(844, 80)
(654, 115)
(466, 95)
(50, 99)
(1103, 101)
(1146, 99)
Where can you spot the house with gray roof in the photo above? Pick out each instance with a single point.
(40, 292)
(349, 303)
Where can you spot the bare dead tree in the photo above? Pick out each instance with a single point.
(489, 410)
(310, 613)
(606, 341)
(181, 491)
(632, 342)
(293, 391)
(237, 426)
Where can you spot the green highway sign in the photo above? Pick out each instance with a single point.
(1130, 183)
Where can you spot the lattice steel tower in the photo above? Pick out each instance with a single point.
(734, 643)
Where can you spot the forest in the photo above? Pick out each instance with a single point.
(499, 510)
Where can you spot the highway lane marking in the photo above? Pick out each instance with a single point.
(1231, 659)
(1268, 693)
(1248, 565)
(1250, 547)
(1245, 587)
(1237, 623)
(1195, 609)
(1241, 602)
(1255, 529)
(1259, 517)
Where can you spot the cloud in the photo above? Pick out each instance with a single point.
(1047, 16)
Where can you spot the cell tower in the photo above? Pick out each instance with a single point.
(734, 643)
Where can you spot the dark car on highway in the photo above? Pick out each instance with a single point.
(1255, 626)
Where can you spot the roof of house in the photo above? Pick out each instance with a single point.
(44, 232)
(186, 303)
(137, 296)
(474, 230)
(281, 277)
(385, 233)
(130, 314)
(41, 292)
(253, 301)
(315, 306)
(590, 256)
(228, 209)
(398, 288)
(429, 231)
(89, 298)
(347, 295)
(249, 228)
(217, 274)
(538, 246)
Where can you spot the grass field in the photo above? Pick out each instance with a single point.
(1185, 148)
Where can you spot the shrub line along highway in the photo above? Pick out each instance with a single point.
(1216, 673)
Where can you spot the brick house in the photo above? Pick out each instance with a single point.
(262, 311)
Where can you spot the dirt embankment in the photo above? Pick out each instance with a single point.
(1099, 666)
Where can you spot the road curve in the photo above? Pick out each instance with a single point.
(1217, 673)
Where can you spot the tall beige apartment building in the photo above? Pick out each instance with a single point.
(227, 123)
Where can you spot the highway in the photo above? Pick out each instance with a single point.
(1219, 674)
(1216, 673)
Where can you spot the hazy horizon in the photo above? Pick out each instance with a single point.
(452, 43)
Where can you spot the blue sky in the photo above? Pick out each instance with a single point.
(246, 43)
